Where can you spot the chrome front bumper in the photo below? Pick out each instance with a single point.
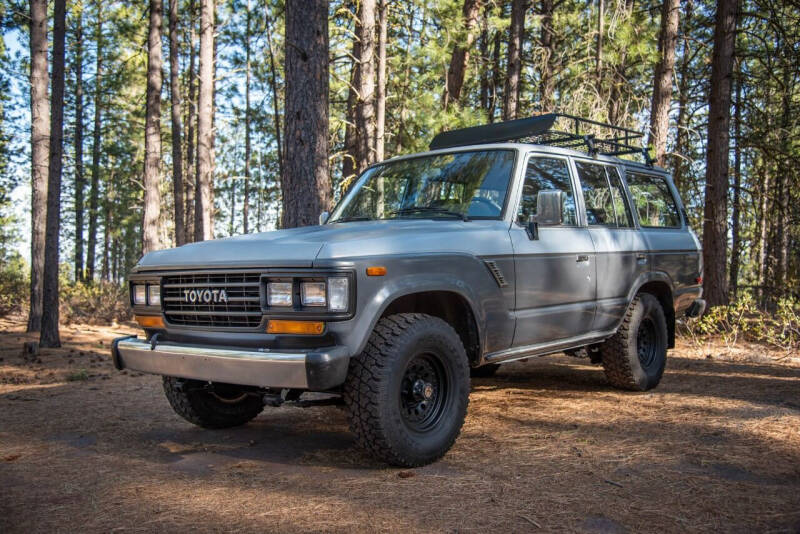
(316, 369)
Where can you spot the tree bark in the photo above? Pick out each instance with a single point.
(516, 33)
(94, 189)
(547, 84)
(306, 185)
(496, 71)
(191, 122)
(40, 148)
(246, 205)
(175, 111)
(350, 136)
(205, 136)
(662, 81)
(275, 104)
(715, 227)
(48, 336)
(78, 140)
(598, 57)
(737, 194)
(365, 104)
(380, 100)
(460, 57)
(152, 135)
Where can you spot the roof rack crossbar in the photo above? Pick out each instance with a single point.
(578, 133)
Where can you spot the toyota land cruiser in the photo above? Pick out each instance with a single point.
(432, 268)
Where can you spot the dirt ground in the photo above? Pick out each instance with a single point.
(547, 446)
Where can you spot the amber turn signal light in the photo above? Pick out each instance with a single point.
(313, 328)
(376, 271)
(150, 321)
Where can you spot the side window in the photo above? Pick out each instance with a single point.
(596, 194)
(621, 209)
(546, 174)
(653, 200)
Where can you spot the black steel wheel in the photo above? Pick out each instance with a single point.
(635, 357)
(407, 393)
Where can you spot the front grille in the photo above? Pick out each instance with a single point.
(242, 309)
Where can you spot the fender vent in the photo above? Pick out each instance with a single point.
(496, 272)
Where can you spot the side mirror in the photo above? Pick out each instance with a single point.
(550, 206)
(323, 217)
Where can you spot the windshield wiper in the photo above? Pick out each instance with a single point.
(353, 218)
(428, 209)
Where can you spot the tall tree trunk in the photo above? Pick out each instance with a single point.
(49, 334)
(619, 76)
(484, 51)
(191, 122)
(306, 184)
(783, 184)
(516, 33)
(152, 135)
(763, 232)
(349, 164)
(380, 100)
(496, 72)
(94, 189)
(365, 104)
(547, 84)
(715, 227)
(598, 53)
(246, 205)
(681, 135)
(205, 136)
(276, 117)
(662, 81)
(78, 140)
(737, 183)
(175, 110)
(460, 57)
(40, 148)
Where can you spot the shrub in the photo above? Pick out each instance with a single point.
(98, 303)
(14, 285)
(744, 320)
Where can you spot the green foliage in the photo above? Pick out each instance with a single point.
(743, 320)
(98, 303)
(78, 376)
(14, 283)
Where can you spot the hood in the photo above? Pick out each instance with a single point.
(300, 247)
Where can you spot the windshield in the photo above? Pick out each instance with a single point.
(462, 184)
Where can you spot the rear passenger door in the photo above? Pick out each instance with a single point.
(673, 249)
(621, 249)
(555, 285)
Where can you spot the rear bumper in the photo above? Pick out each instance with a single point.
(317, 370)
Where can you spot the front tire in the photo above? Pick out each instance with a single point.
(407, 392)
(211, 405)
(635, 357)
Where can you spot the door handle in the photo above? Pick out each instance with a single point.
(641, 257)
(582, 258)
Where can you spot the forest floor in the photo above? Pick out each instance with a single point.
(547, 445)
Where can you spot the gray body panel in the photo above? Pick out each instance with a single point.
(568, 288)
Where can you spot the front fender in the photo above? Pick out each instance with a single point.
(462, 274)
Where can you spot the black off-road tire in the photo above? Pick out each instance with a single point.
(484, 371)
(635, 357)
(378, 398)
(201, 406)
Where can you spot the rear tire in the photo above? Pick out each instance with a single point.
(221, 406)
(635, 357)
(407, 392)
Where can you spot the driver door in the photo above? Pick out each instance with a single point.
(555, 271)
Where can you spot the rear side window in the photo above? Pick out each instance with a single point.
(603, 195)
(547, 174)
(653, 200)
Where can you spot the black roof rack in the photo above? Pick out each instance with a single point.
(555, 129)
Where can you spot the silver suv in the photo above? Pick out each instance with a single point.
(433, 268)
